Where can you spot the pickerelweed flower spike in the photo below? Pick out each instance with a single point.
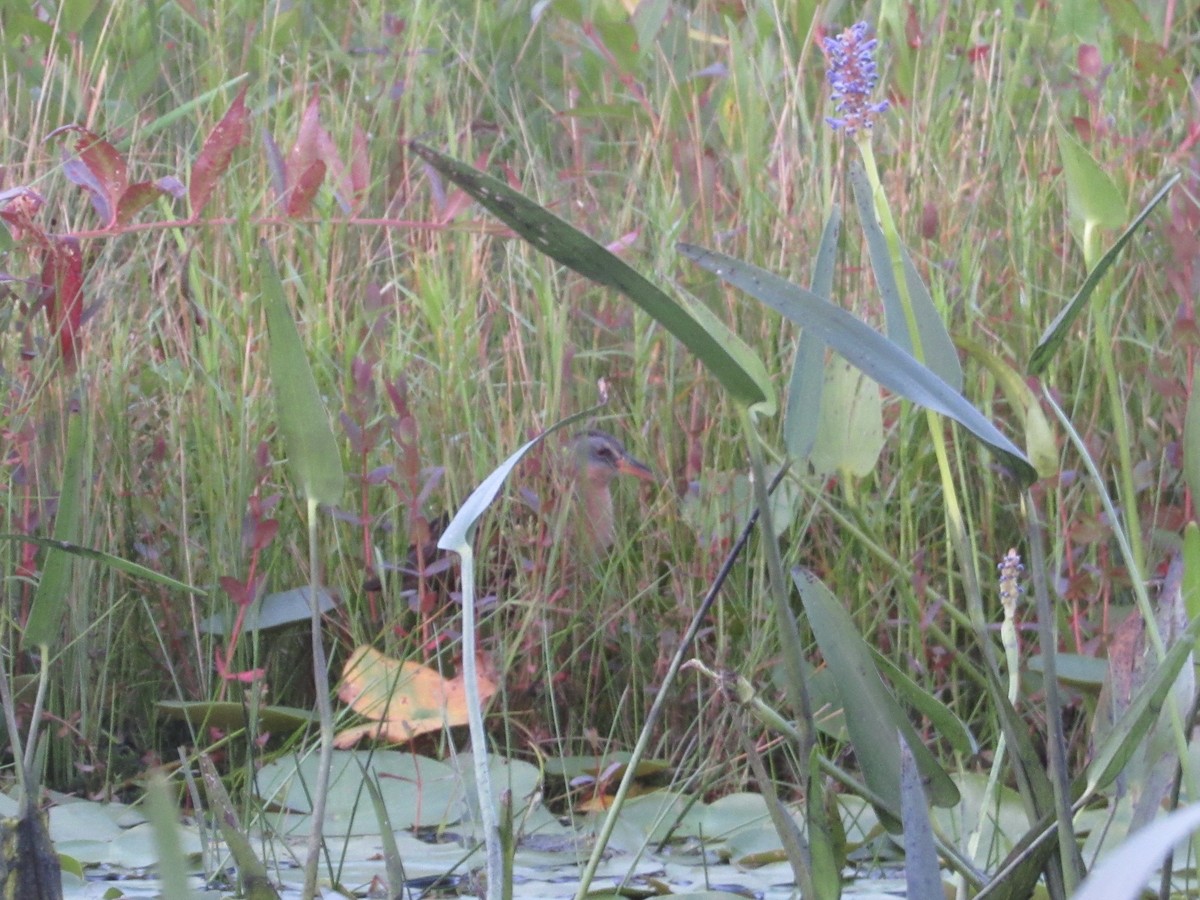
(853, 76)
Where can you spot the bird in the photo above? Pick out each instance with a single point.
(599, 458)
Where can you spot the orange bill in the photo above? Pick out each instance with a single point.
(628, 465)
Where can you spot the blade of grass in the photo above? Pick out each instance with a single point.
(1056, 332)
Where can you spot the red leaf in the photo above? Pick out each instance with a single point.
(107, 172)
(264, 533)
(137, 198)
(300, 196)
(217, 152)
(1090, 63)
(238, 592)
(305, 152)
(62, 276)
(338, 175)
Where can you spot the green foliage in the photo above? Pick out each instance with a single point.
(438, 343)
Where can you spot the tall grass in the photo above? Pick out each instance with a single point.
(707, 129)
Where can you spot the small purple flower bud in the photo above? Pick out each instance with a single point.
(853, 76)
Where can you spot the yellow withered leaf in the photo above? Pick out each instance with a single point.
(403, 698)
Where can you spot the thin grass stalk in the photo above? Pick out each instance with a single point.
(646, 733)
(790, 644)
(1120, 424)
(324, 714)
(796, 848)
(1012, 655)
(1056, 739)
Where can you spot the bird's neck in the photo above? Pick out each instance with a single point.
(599, 523)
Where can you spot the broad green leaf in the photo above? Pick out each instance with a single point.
(801, 423)
(459, 533)
(944, 721)
(1056, 333)
(116, 562)
(864, 348)
(850, 437)
(50, 599)
(1123, 873)
(313, 456)
(1092, 196)
(272, 611)
(872, 713)
(937, 350)
(721, 352)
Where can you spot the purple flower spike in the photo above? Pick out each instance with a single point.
(853, 76)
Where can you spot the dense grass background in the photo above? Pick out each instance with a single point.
(701, 122)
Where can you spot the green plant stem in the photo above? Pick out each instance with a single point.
(489, 821)
(1056, 740)
(791, 648)
(798, 853)
(790, 645)
(892, 234)
(324, 714)
(647, 731)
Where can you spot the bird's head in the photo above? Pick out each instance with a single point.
(601, 457)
